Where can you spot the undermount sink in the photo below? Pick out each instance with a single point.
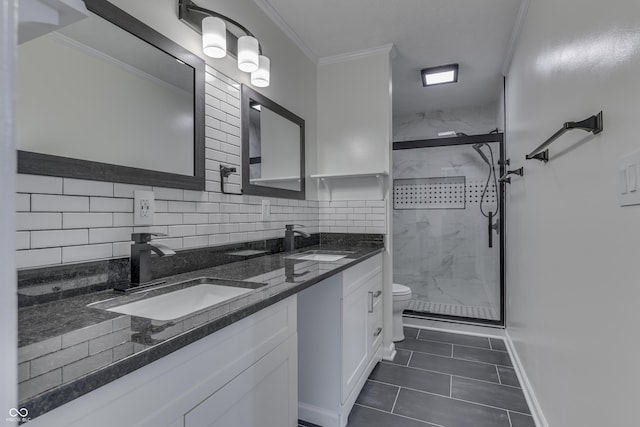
(321, 255)
(188, 298)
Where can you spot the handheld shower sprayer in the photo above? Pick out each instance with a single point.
(478, 148)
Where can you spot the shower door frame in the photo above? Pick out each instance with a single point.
(469, 140)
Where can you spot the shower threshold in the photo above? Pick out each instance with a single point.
(455, 310)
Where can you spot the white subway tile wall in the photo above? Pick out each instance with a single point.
(353, 216)
(64, 220)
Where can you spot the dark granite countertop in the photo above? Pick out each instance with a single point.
(68, 347)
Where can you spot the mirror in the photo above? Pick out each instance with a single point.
(109, 98)
(272, 148)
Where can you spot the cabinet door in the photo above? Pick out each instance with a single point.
(264, 395)
(355, 343)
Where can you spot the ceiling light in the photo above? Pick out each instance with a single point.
(440, 75)
(215, 29)
(248, 54)
(214, 37)
(261, 77)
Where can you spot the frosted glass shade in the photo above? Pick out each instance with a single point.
(262, 76)
(214, 37)
(248, 54)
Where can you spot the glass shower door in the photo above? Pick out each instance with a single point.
(446, 228)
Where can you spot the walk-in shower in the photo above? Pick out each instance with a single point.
(447, 226)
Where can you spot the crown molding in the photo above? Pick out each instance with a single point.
(286, 28)
(349, 56)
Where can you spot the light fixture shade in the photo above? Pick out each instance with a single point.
(214, 37)
(262, 76)
(248, 49)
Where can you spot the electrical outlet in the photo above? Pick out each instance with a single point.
(266, 210)
(144, 207)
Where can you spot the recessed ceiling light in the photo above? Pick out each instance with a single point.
(440, 75)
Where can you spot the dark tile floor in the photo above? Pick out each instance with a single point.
(443, 380)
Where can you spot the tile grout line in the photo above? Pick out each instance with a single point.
(468, 360)
(455, 375)
(409, 360)
(452, 398)
(401, 416)
(453, 343)
(396, 400)
(509, 418)
(498, 372)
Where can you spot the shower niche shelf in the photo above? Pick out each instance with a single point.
(443, 192)
(334, 183)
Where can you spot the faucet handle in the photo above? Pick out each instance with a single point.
(144, 237)
(292, 226)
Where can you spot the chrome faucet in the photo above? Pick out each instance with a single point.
(289, 236)
(141, 259)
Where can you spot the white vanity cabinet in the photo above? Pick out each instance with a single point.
(339, 341)
(242, 375)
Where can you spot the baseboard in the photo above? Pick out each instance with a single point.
(319, 416)
(529, 394)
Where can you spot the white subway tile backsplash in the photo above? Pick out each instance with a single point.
(162, 193)
(38, 221)
(84, 187)
(181, 230)
(195, 218)
(22, 240)
(106, 235)
(196, 196)
(218, 239)
(86, 253)
(23, 202)
(38, 257)
(55, 238)
(207, 229)
(124, 219)
(104, 204)
(195, 241)
(167, 219)
(122, 249)
(182, 206)
(86, 220)
(38, 184)
(55, 203)
(127, 190)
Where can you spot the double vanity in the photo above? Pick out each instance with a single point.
(263, 341)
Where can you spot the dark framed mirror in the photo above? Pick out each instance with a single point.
(108, 98)
(272, 148)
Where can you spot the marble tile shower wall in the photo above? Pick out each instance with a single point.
(62, 220)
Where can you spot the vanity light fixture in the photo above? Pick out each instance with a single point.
(222, 35)
(440, 75)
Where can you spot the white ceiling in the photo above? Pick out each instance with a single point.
(425, 33)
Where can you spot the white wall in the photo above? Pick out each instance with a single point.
(354, 107)
(572, 267)
(470, 120)
(8, 300)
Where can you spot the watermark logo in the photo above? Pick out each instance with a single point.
(18, 415)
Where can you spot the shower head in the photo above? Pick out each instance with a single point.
(478, 147)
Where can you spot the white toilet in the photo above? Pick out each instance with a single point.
(401, 298)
